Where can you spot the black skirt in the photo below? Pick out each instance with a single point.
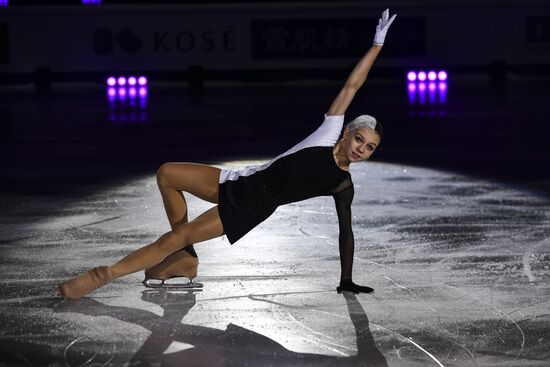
(243, 204)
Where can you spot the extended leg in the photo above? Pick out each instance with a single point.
(204, 227)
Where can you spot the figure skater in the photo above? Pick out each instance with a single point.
(317, 166)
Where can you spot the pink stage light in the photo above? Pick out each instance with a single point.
(442, 92)
(132, 81)
(121, 81)
(411, 76)
(142, 80)
(422, 76)
(122, 93)
(411, 92)
(132, 92)
(143, 92)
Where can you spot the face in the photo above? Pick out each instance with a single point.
(359, 145)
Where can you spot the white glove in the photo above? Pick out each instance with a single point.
(382, 27)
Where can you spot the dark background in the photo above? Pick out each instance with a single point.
(59, 133)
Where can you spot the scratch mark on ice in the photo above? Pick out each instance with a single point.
(409, 340)
(499, 311)
(527, 254)
(414, 294)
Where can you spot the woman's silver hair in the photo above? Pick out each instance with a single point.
(362, 121)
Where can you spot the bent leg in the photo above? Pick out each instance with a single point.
(198, 179)
(204, 227)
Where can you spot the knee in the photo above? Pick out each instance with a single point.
(163, 174)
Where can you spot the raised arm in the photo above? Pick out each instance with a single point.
(361, 70)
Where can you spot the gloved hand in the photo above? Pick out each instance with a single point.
(348, 285)
(382, 27)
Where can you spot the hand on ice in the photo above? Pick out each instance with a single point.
(348, 285)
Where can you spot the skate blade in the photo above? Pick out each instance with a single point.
(159, 283)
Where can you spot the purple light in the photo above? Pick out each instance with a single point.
(91, 2)
(411, 76)
(422, 93)
(143, 92)
(421, 76)
(442, 92)
(142, 80)
(132, 92)
(122, 93)
(411, 92)
(121, 81)
(143, 103)
(432, 76)
(132, 81)
(432, 92)
(442, 75)
(111, 81)
(3, 2)
(111, 95)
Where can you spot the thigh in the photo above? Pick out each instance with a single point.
(206, 226)
(197, 179)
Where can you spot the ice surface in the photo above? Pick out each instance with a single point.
(459, 266)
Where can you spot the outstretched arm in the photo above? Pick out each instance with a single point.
(354, 82)
(361, 70)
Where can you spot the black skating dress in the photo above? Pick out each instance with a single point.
(249, 196)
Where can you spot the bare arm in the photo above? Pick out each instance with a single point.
(361, 70)
(354, 82)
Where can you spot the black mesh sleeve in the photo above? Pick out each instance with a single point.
(343, 201)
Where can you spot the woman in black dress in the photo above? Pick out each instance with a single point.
(319, 165)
